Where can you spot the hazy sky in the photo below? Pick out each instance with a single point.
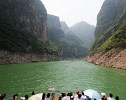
(73, 11)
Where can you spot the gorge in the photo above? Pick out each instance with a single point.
(39, 51)
(29, 34)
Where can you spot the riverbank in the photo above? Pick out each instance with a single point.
(12, 58)
(109, 59)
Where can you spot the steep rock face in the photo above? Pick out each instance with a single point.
(53, 22)
(74, 46)
(70, 36)
(110, 49)
(70, 46)
(23, 29)
(55, 33)
(109, 13)
(108, 20)
(29, 15)
(64, 25)
(85, 32)
(112, 53)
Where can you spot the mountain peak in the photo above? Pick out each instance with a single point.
(82, 23)
(64, 25)
(85, 32)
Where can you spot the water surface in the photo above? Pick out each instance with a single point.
(65, 75)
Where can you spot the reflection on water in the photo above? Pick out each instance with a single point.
(66, 75)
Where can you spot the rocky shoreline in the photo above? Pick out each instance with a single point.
(114, 60)
(12, 58)
(7, 57)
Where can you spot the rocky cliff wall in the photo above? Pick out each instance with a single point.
(110, 13)
(109, 48)
(7, 57)
(55, 32)
(109, 20)
(23, 31)
(53, 22)
(29, 15)
(72, 46)
(64, 25)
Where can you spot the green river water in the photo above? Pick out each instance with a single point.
(65, 75)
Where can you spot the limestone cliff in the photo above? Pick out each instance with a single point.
(64, 25)
(55, 33)
(29, 15)
(74, 46)
(112, 52)
(70, 36)
(109, 48)
(108, 20)
(109, 13)
(70, 46)
(23, 28)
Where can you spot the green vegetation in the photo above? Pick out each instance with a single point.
(103, 37)
(116, 41)
(15, 39)
(20, 28)
(108, 32)
(110, 19)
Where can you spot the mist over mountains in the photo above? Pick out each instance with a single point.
(85, 32)
(70, 46)
(27, 31)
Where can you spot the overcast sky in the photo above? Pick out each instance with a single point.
(73, 11)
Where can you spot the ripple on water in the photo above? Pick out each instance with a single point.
(65, 75)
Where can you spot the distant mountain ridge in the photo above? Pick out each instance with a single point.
(70, 36)
(70, 46)
(85, 32)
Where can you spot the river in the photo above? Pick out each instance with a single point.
(65, 75)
